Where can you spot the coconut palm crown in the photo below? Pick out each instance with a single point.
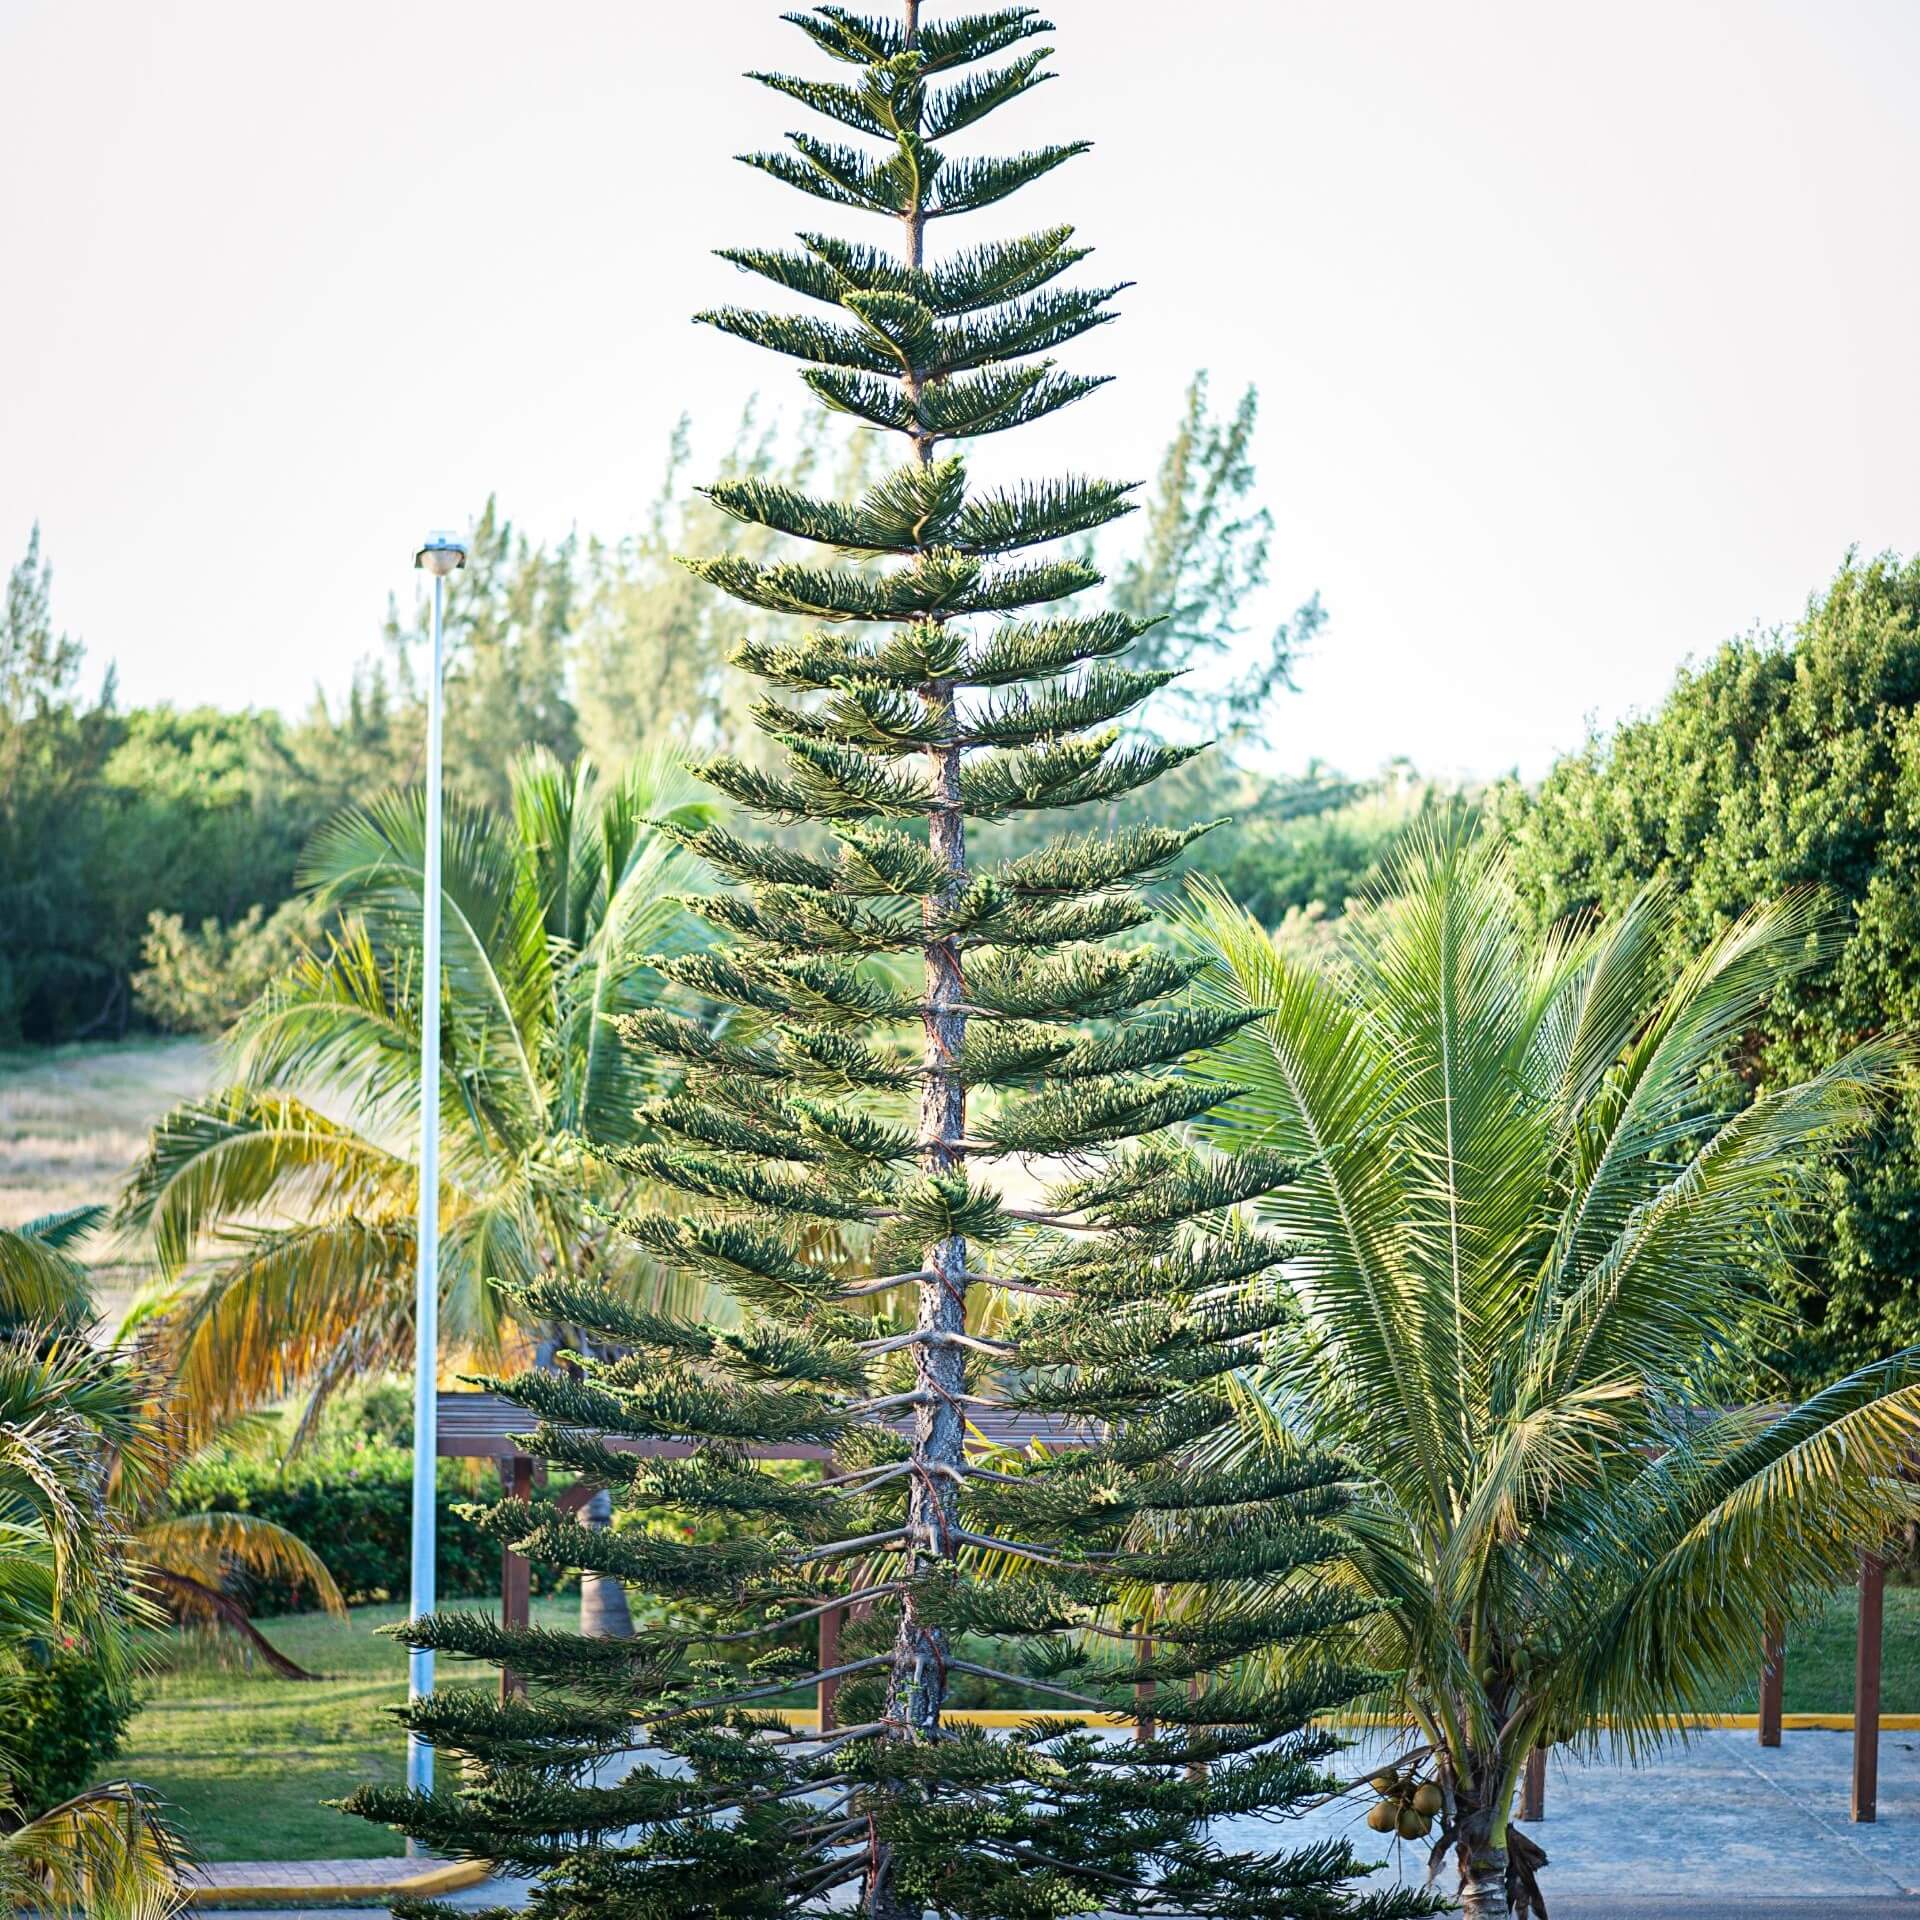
(1534, 1236)
(284, 1203)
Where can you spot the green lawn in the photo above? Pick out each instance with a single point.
(1820, 1660)
(246, 1759)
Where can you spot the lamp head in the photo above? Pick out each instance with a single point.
(441, 554)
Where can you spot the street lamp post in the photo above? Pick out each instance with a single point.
(440, 555)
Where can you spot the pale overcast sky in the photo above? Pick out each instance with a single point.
(1586, 336)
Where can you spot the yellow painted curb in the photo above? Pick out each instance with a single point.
(998, 1717)
(455, 1877)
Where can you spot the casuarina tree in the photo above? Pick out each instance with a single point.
(896, 1040)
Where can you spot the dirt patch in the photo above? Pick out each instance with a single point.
(74, 1119)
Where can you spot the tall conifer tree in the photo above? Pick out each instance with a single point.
(890, 1024)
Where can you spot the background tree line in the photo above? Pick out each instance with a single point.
(148, 855)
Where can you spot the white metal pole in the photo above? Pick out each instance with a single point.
(426, 1317)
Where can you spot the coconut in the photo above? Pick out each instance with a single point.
(1412, 1825)
(1428, 1799)
(1384, 1782)
(1383, 1816)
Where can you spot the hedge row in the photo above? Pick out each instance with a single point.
(351, 1501)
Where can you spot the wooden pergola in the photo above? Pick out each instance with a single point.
(481, 1426)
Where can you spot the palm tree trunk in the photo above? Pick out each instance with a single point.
(1483, 1881)
(1481, 1859)
(603, 1600)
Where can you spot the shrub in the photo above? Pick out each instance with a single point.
(1782, 762)
(61, 1718)
(199, 982)
(351, 1501)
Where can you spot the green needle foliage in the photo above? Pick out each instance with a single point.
(894, 1025)
(1538, 1228)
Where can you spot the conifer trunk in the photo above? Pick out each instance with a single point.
(919, 1675)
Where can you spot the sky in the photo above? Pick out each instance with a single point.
(1585, 337)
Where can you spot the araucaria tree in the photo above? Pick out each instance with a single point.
(889, 1023)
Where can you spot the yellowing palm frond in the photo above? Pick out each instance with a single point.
(207, 1547)
(106, 1854)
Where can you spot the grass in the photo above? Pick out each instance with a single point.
(72, 1122)
(246, 1760)
(1819, 1676)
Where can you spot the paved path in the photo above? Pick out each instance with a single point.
(1719, 1820)
(1719, 1826)
(1600, 1906)
(297, 1874)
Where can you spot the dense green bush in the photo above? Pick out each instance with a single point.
(1784, 761)
(198, 980)
(61, 1718)
(351, 1501)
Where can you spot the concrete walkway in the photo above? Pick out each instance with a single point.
(1718, 1821)
(1721, 1825)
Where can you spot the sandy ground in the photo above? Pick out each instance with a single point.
(74, 1119)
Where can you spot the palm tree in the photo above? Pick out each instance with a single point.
(185, 1560)
(287, 1199)
(42, 1282)
(105, 1854)
(65, 1411)
(1531, 1235)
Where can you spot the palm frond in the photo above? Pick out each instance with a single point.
(1682, 1269)
(1746, 1521)
(208, 1547)
(338, 1020)
(106, 1854)
(495, 950)
(1313, 1087)
(243, 1154)
(40, 1281)
(272, 1315)
(1654, 1099)
(66, 1227)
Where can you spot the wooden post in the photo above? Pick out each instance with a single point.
(1533, 1787)
(1144, 1726)
(1866, 1690)
(1195, 1687)
(1773, 1674)
(516, 1576)
(829, 1657)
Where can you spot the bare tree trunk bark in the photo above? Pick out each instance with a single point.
(603, 1600)
(917, 1685)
